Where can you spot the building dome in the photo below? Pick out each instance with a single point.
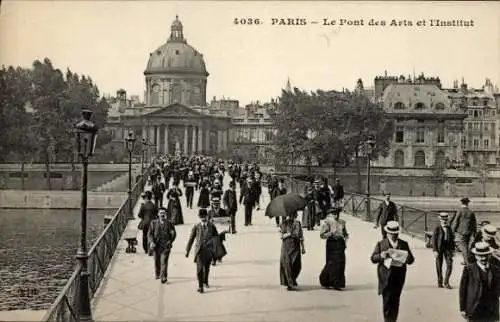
(176, 56)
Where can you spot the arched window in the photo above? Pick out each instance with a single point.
(399, 106)
(399, 159)
(419, 106)
(420, 159)
(155, 94)
(440, 159)
(176, 93)
(439, 106)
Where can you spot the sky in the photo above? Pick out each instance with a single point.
(111, 40)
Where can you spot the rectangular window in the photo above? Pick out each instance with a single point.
(486, 127)
(464, 142)
(486, 143)
(476, 143)
(400, 134)
(440, 134)
(420, 135)
(469, 126)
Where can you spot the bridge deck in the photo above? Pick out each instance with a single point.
(245, 287)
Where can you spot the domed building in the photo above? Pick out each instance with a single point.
(176, 72)
(174, 117)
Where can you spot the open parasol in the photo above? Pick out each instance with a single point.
(285, 204)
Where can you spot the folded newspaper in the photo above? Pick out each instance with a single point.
(397, 258)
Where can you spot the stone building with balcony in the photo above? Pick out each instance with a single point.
(480, 140)
(427, 127)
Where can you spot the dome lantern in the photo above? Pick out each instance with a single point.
(176, 31)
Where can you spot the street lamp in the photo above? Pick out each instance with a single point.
(129, 144)
(144, 142)
(369, 144)
(86, 135)
(310, 136)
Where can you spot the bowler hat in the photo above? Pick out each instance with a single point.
(481, 249)
(202, 213)
(392, 227)
(465, 200)
(489, 230)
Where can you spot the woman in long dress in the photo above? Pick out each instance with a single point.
(335, 233)
(292, 248)
(204, 198)
(174, 205)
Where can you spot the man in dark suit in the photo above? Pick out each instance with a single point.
(337, 193)
(480, 287)
(443, 246)
(147, 213)
(202, 232)
(387, 212)
(161, 236)
(391, 274)
(158, 191)
(464, 225)
(231, 205)
(248, 196)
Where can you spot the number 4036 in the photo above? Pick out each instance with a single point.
(247, 21)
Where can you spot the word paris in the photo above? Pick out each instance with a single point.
(370, 22)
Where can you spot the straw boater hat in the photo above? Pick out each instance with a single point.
(392, 227)
(215, 200)
(443, 215)
(482, 249)
(489, 230)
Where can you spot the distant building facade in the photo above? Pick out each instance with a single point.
(480, 140)
(427, 126)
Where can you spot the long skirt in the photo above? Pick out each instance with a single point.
(333, 274)
(175, 211)
(308, 216)
(290, 262)
(204, 198)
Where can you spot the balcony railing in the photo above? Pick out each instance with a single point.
(65, 307)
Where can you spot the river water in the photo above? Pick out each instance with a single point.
(37, 253)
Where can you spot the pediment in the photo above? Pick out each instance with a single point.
(174, 110)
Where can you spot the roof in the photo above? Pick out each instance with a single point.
(416, 99)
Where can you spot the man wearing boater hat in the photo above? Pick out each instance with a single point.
(480, 287)
(216, 211)
(464, 226)
(443, 246)
(202, 232)
(391, 273)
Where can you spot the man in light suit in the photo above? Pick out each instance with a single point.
(202, 232)
(391, 280)
(161, 236)
(387, 212)
(480, 287)
(464, 225)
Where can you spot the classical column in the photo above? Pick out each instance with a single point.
(158, 137)
(151, 134)
(224, 140)
(186, 138)
(193, 141)
(165, 144)
(144, 133)
(219, 140)
(200, 140)
(207, 141)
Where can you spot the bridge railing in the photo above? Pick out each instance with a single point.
(413, 221)
(65, 307)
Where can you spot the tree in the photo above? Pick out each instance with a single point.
(482, 170)
(342, 122)
(438, 175)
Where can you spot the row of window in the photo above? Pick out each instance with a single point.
(481, 113)
(420, 134)
(481, 126)
(475, 143)
(418, 106)
(419, 158)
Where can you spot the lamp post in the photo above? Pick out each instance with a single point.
(86, 135)
(369, 144)
(130, 144)
(310, 136)
(144, 142)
